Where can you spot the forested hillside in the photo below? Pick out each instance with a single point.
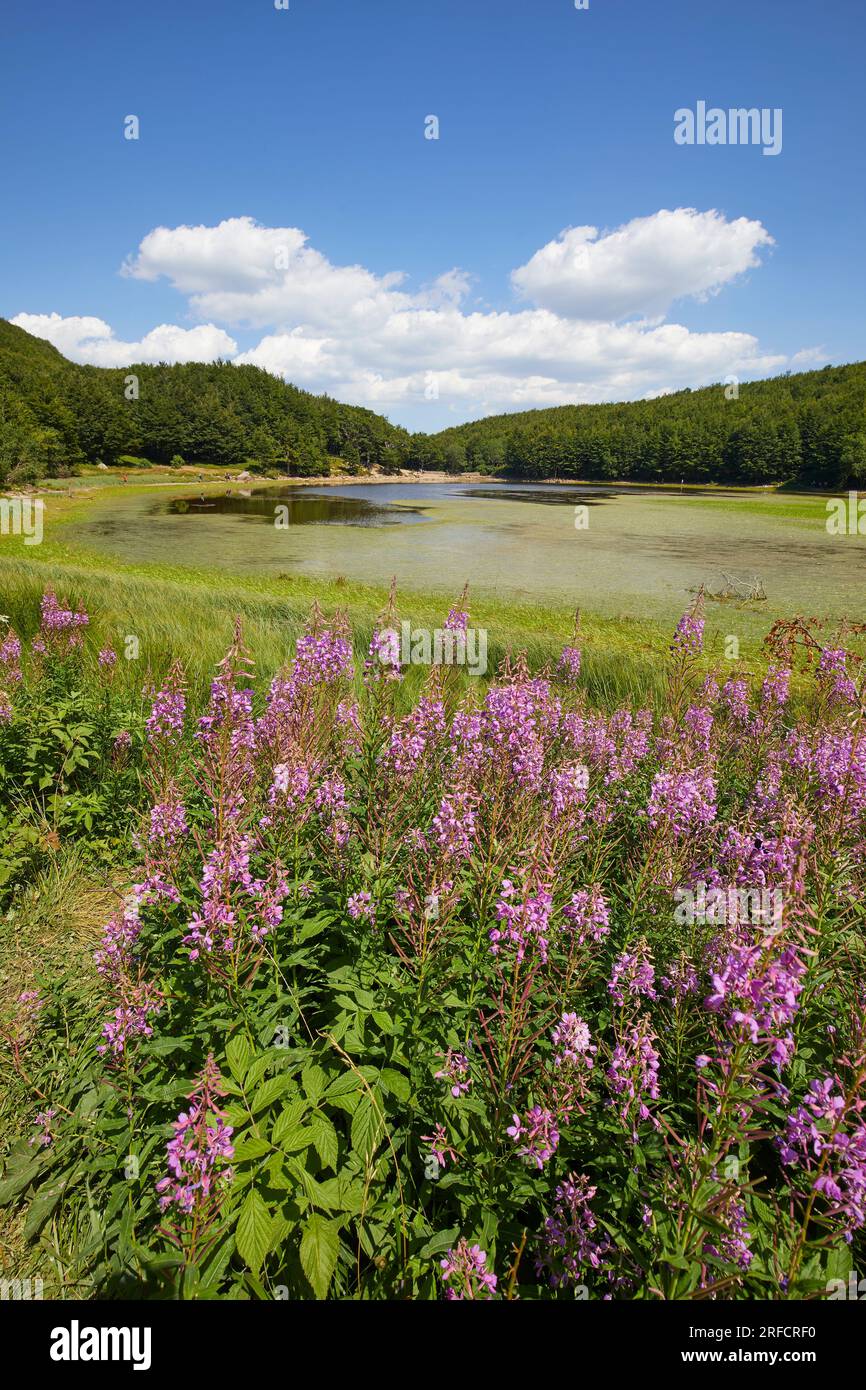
(55, 415)
(810, 427)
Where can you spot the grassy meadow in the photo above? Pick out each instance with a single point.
(215, 894)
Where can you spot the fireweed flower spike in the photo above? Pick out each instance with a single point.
(537, 1135)
(570, 1246)
(197, 1155)
(165, 721)
(456, 1072)
(465, 1273)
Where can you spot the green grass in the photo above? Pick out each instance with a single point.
(191, 615)
(176, 611)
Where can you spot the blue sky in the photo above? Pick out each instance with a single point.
(311, 121)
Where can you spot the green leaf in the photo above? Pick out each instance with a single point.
(269, 1091)
(343, 1194)
(314, 1080)
(367, 1129)
(251, 1146)
(444, 1240)
(11, 1186)
(288, 1120)
(325, 1140)
(320, 1248)
(254, 1231)
(239, 1054)
(397, 1083)
(293, 1137)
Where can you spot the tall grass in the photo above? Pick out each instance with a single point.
(192, 618)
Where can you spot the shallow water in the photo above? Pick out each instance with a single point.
(642, 554)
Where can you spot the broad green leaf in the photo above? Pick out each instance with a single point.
(320, 1248)
(269, 1091)
(314, 1080)
(367, 1129)
(239, 1054)
(397, 1083)
(254, 1231)
(251, 1146)
(288, 1119)
(325, 1140)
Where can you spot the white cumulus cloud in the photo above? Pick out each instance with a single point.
(92, 341)
(642, 267)
(594, 325)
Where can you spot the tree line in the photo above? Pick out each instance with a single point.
(55, 416)
(808, 428)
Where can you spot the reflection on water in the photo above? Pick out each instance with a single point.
(559, 494)
(307, 508)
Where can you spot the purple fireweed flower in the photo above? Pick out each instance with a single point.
(290, 787)
(689, 635)
(454, 825)
(681, 979)
(732, 1247)
(361, 906)
(465, 1273)
(735, 700)
(45, 1136)
(236, 908)
(569, 1243)
(456, 1073)
(611, 746)
(523, 924)
(775, 688)
(572, 1037)
(321, 660)
(699, 722)
(131, 1018)
(439, 1146)
(568, 668)
(167, 824)
(633, 1074)
(30, 1005)
(199, 1149)
(10, 657)
(457, 620)
(383, 659)
(538, 1133)
(682, 801)
(833, 675)
(633, 975)
(107, 658)
(57, 624)
(588, 915)
(567, 788)
(517, 723)
(757, 986)
(153, 888)
(826, 1136)
(165, 721)
(116, 955)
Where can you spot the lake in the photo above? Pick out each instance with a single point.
(622, 552)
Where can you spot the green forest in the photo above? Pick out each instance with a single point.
(807, 429)
(55, 416)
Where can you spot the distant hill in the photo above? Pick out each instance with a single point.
(55, 415)
(808, 428)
